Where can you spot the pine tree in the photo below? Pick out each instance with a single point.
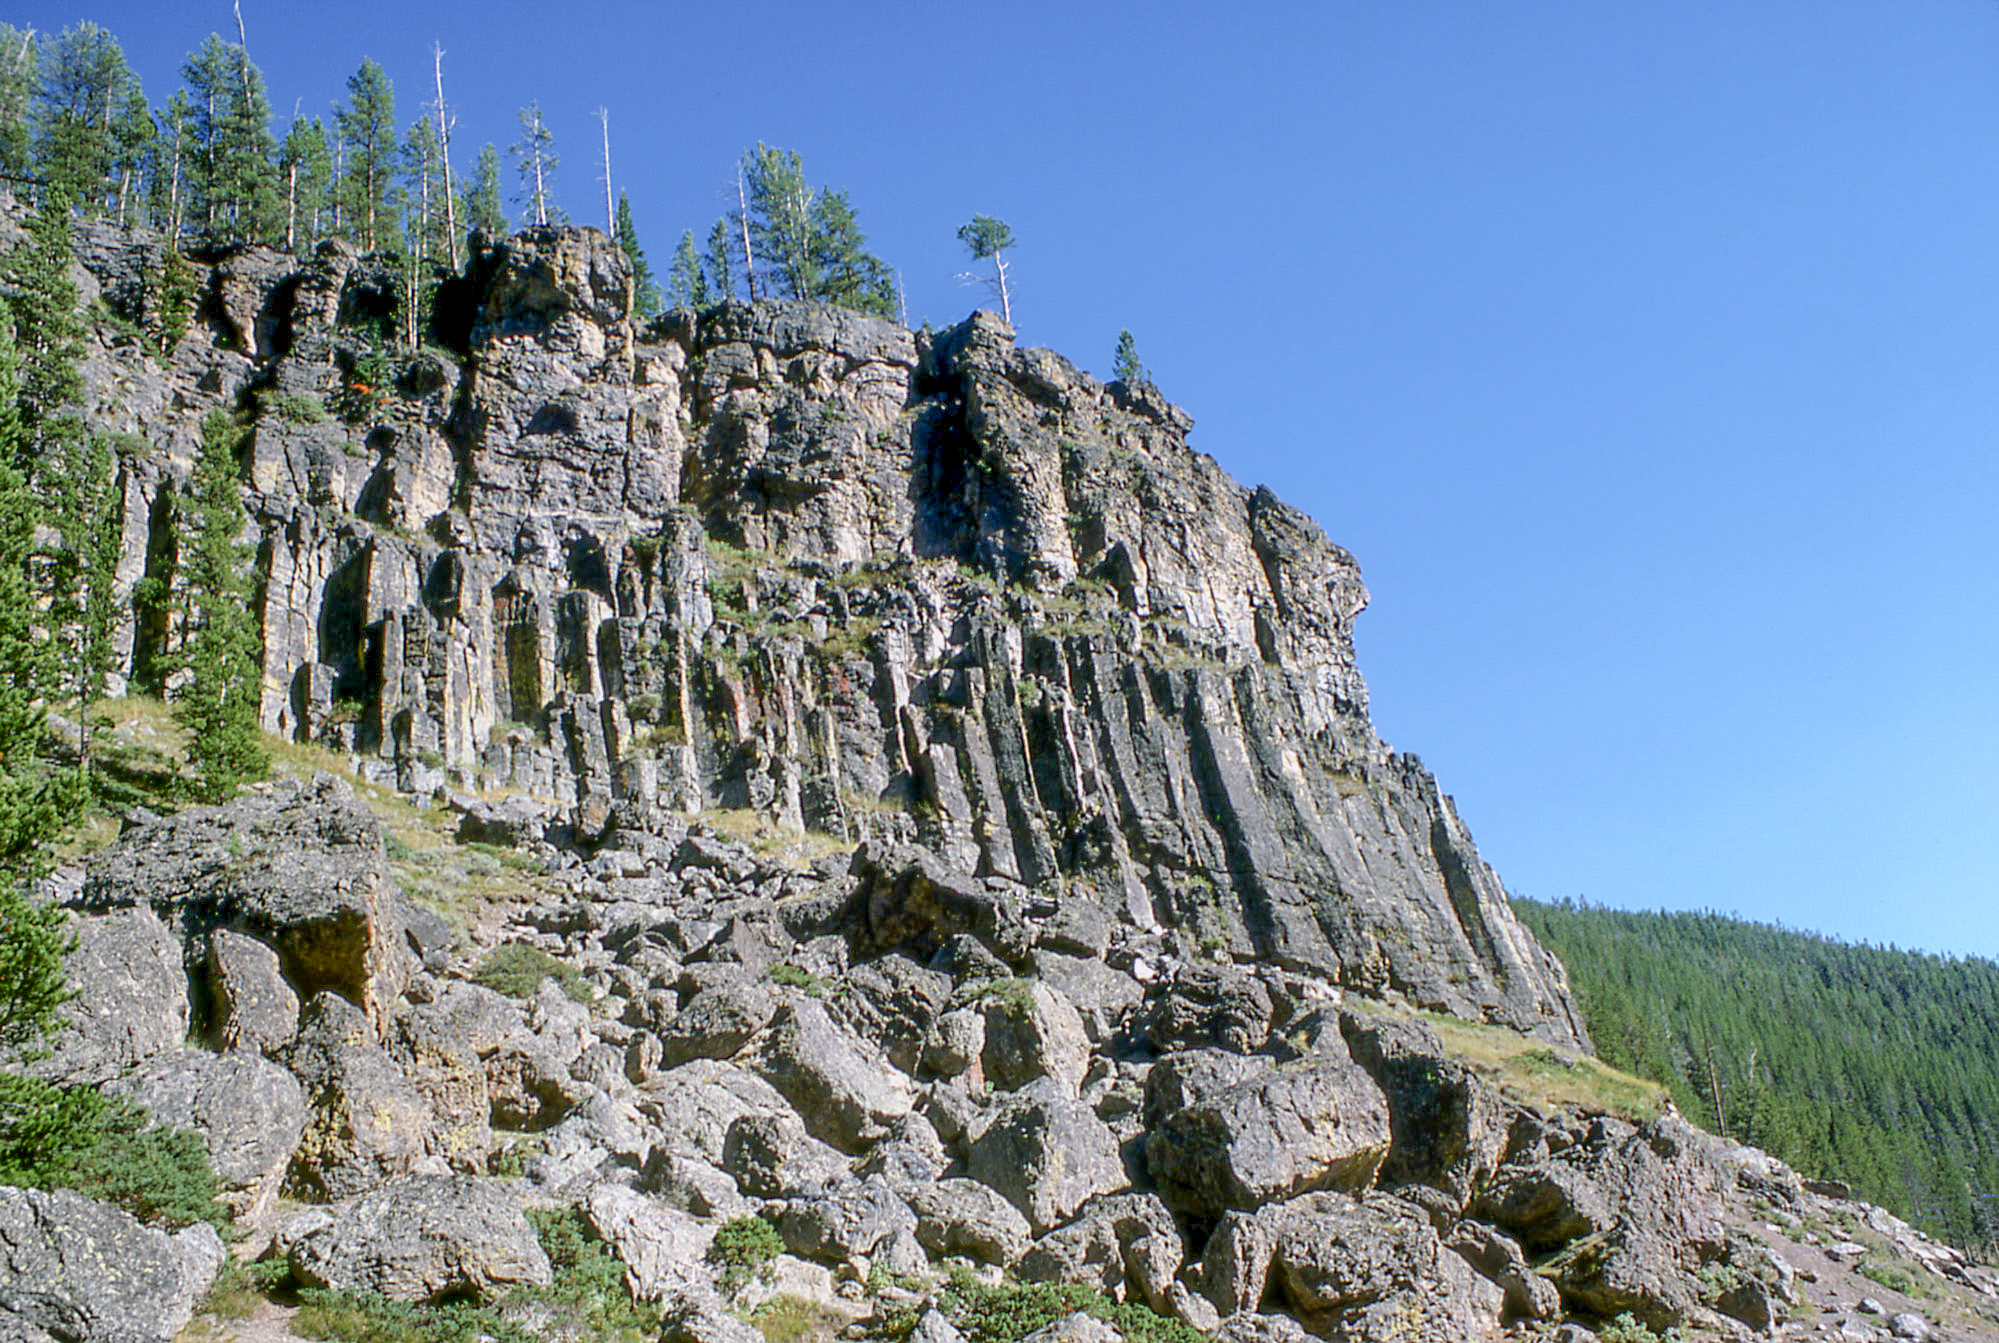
(34, 799)
(220, 700)
(480, 209)
(645, 291)
(808, 244)
(718, 264)
(47, 330)
(249, 156)
(1124, 364)
(778, 212)
(19, 66)
(231, 177)
(989, 239)
(687, 282)
(849, 274)
(134, 139)
(168, 188)
(176, 303)
(305, 162)
(68, 466)
(86, 88)
(535, 161)
(368, 129)
(427, 241)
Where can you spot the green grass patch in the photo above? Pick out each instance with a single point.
(518, 970)
(1011, 1311)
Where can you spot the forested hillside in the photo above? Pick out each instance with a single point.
(1865, 1064)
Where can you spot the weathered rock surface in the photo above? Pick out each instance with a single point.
(249, 1112)
(254, 1008)
(1368, 1269)
(131, 999)
(1047, 1153)
(301, 867)
(418, 1239)
(366, 1121)
(76, 1269)
(1319, 1123)
(664, 1250)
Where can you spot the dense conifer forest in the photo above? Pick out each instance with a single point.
(1869, 1065)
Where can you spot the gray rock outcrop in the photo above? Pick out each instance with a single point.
(77, 1269)
(421, 1238)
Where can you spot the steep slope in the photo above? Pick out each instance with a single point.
(916, 588)
(1868, 1065)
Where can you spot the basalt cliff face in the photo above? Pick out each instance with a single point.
(913, 589)
(861, 832)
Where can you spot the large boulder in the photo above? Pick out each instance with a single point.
(846, 1098)
(1031, 1031)
(717, 1022)
(249, 1112)
(1449, 1129)
(846, 1222)
(1629, 1216)
(1359, 1270)
(424, 1238)
(963, 1217)
(1318, 1123)
(914, 899)
(1048, 1153)
(130, 1003)
(367, 1123)
(76, 1269)
(663, 1249)
(300, 866)
(252, 1007)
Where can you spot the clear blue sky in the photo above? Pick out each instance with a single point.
(1644, 354)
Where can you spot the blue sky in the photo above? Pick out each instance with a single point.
(1645, 355)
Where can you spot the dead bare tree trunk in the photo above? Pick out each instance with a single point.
(743, 220)
(444, 154)
(610, 211)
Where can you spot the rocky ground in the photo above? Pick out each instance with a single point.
(930, 1091)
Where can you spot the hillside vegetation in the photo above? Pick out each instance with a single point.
(1869, 1065)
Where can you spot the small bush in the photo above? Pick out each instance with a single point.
(293, 408)
(743, 1250)
(791, 1319)
(1628, 1328)
(791, 976)
(105, 1147)
(1895, 1276)
(517, 970)
(1011, 1311)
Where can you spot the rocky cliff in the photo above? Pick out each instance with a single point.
(860, 832)
(920, 589)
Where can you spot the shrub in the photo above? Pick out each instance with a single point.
(791, 1319)
(790, 976)
(743, 1250)
(1013, 1310)
(294, 408)
(517, 970)
(105, 1147)
(1628, 1328)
